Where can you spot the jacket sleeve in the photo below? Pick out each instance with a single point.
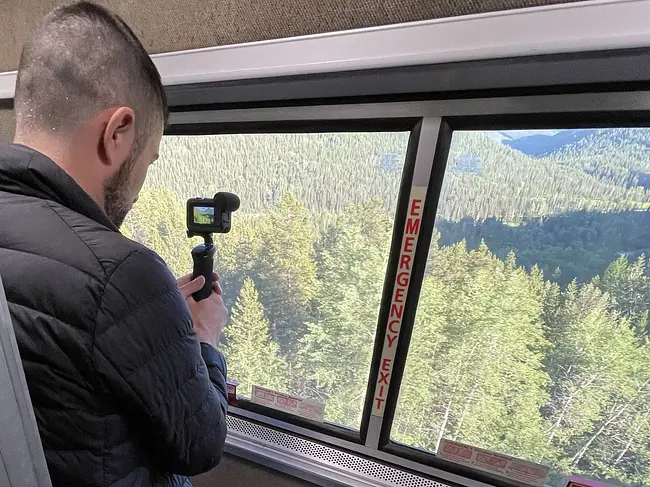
(148, 358)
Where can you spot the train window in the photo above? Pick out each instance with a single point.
(531, 333)
(303, 266)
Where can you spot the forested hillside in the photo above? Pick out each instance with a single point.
(530, 335)
(317, 169)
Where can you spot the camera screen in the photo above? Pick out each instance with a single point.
(204, 215)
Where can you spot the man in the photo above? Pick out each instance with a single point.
(126, 383)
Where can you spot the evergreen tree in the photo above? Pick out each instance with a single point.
(598, 370)
(237, 253)
(353, 263)
(158, 221)
(474, 372)
(287, 271)
(629, 285)
(252, 356)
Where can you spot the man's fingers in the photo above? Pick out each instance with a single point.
(215, 284)
(192, 286)
(216, 287)
(182, 281)
(187, 278)
(187, 286)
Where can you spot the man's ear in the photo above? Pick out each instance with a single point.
(118, 137)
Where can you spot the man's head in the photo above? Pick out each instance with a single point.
(89, 96)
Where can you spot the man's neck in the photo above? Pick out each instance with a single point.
(65, 154)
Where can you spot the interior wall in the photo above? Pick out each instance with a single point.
(233, 471)
(6, 125)
(174, 25)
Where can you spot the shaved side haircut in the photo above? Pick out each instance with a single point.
(82, 59)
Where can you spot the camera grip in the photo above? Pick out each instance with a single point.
(203, 256)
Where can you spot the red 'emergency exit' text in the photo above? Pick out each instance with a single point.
(402, 281)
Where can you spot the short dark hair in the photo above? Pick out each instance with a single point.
(82, 59)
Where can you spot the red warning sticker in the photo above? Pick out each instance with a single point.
(510, 467)
(291, 404)
(578, 482)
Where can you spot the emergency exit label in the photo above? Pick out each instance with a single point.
(400, 290)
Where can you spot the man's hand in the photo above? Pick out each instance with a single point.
(210, 314)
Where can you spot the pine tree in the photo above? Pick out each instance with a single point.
(236, 255)
(252, 356)
(287, 271)
(474, 372)
(629, 285)
(158, 221)
(335, 355)
(599, 377)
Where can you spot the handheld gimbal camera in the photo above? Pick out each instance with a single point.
(206, 216)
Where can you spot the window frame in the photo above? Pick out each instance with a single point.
(589, 109)
(569, 119)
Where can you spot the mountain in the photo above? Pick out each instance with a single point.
(618, 155)
(513, 135)
(621, 155)
(485, 178)
(544, 144)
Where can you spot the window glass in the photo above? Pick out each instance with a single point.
(530, 336)
(303, 266)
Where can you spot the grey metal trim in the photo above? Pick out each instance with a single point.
(255, 454)
(292, 429)
(426, 150)
(577, 103)
(318, 463)
(374, 426)
(306, 432)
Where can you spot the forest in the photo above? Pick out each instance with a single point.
(531, 331)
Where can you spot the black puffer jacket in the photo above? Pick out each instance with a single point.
(124, 393)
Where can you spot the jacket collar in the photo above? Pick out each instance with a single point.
(28, 172)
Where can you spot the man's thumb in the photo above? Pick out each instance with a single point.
(192, 286)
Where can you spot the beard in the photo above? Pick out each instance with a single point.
(117, 198)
